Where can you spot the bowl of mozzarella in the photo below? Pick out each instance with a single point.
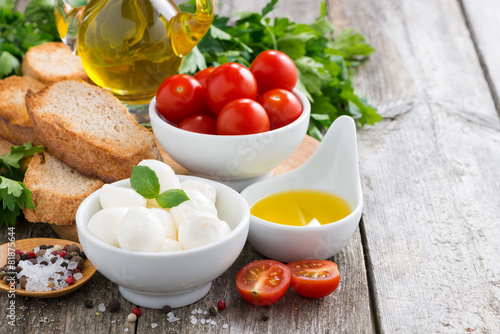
(163, 256)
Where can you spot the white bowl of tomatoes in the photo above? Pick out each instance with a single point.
(231, 123)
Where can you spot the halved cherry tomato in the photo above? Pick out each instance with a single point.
(282, 107)
(263, 282)
(229, 82)
(274, 69)
(242, 117)
(179, 97)
(202, 75)
(200, 124)
(314, 278)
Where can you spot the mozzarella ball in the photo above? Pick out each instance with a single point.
(204, 187)
(167, 221)
(140, 230)
(104, 224)
(113, 196)
(197, 202)
(201, 228)
(166, 176)
(170, 245)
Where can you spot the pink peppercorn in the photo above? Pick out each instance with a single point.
(221, 305)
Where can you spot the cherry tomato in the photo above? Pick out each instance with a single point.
(263, 282)
(200, 124)
(282, 107)
(274, 69)
(179, 97)
(242, 117)
(228, 82)
(202, 75)
(314, 278)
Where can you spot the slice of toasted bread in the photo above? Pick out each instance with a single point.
(15, 124)
(5, 146)
(57, 190)
(52, 61)
(89, 129)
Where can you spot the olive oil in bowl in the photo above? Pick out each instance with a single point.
(301, 206)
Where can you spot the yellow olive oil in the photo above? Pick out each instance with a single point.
(299, 207)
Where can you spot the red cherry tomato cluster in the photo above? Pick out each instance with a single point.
(232, 99)
(264, 282)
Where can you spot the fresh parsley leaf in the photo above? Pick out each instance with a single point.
(19, 32)
(145, 182)
(171, 198)
(10, 163)
(14, 195)
(269, 7)
(9, 64)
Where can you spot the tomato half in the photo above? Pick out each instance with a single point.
(200, 124)
(314, 278)
(263, 282)
(228, 82)
(242, 117)
(179, 97)
(202, 75)
(274, 69)
(282, 107)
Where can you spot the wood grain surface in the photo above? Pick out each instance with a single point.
(431, 183)
(430, 171)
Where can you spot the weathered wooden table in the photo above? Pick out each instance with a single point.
(426, 256)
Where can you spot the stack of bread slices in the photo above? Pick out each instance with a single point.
(89, 136)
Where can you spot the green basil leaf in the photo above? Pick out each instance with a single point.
(171, 198)
(145, 181)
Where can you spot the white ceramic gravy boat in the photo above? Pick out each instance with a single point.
(333, 167)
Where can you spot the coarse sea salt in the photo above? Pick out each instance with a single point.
(202, 321)
(194, 320)
(225, 326)
(154, 325)
(38, 276)
(72, 265)
(101, 307)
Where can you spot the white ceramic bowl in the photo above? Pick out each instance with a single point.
(332, 168)
(177, 279)
(234, 160)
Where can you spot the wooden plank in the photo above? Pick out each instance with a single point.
(482, 19)
(430, 171)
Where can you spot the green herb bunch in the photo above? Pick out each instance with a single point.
(14, 195)
(19, 32)
(325, 62)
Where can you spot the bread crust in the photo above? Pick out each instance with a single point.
(15, 125)
(53, 61)
(80, 150)
(53, 204)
